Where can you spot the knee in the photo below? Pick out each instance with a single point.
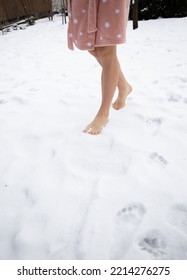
(106, 54)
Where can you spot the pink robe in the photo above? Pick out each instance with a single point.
(94, 23)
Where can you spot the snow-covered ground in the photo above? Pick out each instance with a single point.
(65, 194)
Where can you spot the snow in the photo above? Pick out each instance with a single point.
(65, 194)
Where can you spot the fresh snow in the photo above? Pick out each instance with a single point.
(65, 194)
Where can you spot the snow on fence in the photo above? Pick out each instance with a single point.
(16, 9)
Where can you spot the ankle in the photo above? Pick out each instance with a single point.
(102, 115)
(124, 87)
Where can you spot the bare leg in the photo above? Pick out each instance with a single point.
(124, 88)
(110, 77)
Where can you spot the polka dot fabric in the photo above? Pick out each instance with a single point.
(94, 23)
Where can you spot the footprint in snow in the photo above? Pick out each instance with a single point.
(19, 100)
(159, 159)
(2, 101)
(155, 82)
(128, 220)
(183, 80)
(178, 217)
(174, 98)
(154, 244)
(153, 125)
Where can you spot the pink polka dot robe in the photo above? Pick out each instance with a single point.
(94, 23)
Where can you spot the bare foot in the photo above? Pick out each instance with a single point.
(96, 126)
(120, 101)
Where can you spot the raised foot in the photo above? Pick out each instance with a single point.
(121, 99)
(95, 127)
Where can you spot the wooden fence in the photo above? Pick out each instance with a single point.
(16, 9)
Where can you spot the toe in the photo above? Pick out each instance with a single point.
(115, 107)
(87, 129)
(90, 130)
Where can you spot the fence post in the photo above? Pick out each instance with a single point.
(63, 8)
(135, 13)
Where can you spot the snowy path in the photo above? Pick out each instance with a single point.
(68, 195)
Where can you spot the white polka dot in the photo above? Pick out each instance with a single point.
(119, 36)
(117, 11)
(83, 11)
(89, 44)
(101, 38)
(107, 24)
(81, 33)
(104, 1)
(70, 35)
(75, 21)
